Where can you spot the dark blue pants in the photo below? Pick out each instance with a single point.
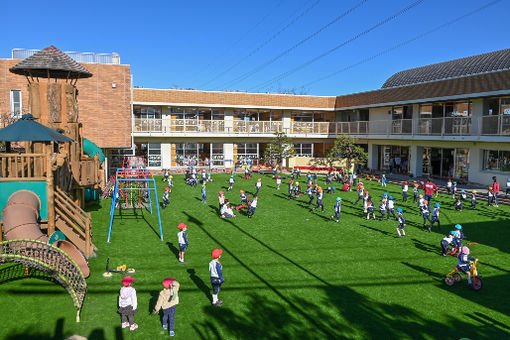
(169, 318)
(434, 220)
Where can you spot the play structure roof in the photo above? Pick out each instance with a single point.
(50, 63)
(26, 129)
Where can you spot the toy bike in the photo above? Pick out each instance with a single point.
(120, 269)
(455, 276)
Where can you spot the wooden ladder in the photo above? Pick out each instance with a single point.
(74, 222)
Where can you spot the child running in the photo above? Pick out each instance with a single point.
(383, 180)
(435, 217)
(405, 188)
(253, 207)
(182, 238)
(425, 213)
(416, 192)
(390, 208)
(338, 209)
(258, 185)
(310, 191)
(458, 204)
(278, 182)
(320, 195)
(401, 223)
(231, 181)
(370, 208)
(473, 199)
(166, 197)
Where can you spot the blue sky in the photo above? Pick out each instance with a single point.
(233, 45)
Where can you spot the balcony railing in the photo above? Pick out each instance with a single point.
(447, 126)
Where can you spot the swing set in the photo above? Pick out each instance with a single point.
(132, 190)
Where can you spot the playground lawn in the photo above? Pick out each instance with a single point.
(289, 273)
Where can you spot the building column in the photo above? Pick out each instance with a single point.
(228, 153)
(475, 158)
(416, 160)
(166, 155)
(373, 156)
(229, 121)
(287, 120)
(476, 116)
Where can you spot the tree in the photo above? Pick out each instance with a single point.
(345, 148)
(280, 148)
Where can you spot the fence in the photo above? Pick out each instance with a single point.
(447, 126)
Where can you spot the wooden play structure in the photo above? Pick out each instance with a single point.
(54, 172)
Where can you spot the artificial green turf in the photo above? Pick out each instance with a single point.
(289, 273)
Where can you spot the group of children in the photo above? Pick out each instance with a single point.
(168, 297)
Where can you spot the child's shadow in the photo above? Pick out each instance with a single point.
(199, 283)
(174, 250)
(152, 304)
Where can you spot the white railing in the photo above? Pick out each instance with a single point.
(447, 126)
(305, 128)
(256, 127)
(80, 57)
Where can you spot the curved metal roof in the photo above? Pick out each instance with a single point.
(478, 64)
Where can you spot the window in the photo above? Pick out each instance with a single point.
(496, 160)
(303, 150)
(217, 154)
(147, 112)
(154, 155)
(16, 104)
(246, 151)
(402, 112)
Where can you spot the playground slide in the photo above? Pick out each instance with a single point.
(91, 149)
(20, 221)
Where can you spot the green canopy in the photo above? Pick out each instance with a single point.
(27, 129)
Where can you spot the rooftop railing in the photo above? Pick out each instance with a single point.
(80, 57)
(447, 126)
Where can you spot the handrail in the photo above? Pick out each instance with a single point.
(443, 126)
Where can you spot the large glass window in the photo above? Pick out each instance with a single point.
(154, 155)
(246, 152)
(16, 104)
(303, 149)
(147, 112)
(496, 160)
(217, 154)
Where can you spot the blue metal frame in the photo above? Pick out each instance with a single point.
(148, 181)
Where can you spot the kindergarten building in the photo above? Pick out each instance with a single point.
(450, 119)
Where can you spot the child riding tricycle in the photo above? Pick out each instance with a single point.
(467, 265)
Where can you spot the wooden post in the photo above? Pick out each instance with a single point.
(50, 190)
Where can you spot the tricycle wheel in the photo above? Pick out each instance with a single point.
(457, 277)
(450, 281)
(477, 283)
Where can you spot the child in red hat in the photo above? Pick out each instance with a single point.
(216, 271)
(128, 303)
(182, 237)
(167, 300)
(278, 182)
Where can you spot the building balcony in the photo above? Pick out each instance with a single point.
(475, 128)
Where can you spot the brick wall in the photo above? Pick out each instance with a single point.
(232, 98)
(105, 112)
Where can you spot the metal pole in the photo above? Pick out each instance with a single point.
(157, 208)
